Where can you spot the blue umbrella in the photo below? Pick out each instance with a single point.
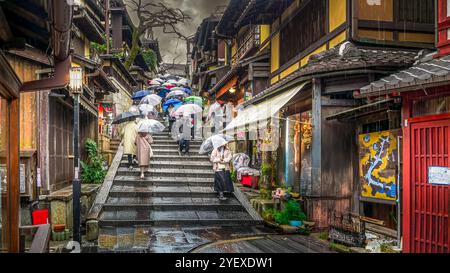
(141, 94)
(172, 102)
(162, 92)
(185, 90)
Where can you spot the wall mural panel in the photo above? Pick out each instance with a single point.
(377, 165)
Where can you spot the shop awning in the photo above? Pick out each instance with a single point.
(265, 110)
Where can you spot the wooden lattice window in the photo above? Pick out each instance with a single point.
(306, 28)
(417, 11)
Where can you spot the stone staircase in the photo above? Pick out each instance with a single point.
(114, 145)
(176, 193)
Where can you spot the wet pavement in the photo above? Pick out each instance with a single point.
(170, 240)
(267, 244)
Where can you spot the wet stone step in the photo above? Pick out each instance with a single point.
(124, 201)
(164, 215)
(146, 189)
(169, 182)
(186, 164)
(173, 152)
(169, 172)
(162, 193)
(174, 145)
(190, 157)
(164, 205)
(165, 179)
(181, 222)
(176, 157)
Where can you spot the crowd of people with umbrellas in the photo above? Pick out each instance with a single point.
(170, 97)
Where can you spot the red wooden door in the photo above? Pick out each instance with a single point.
(426, 226)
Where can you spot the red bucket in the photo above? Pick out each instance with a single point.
(40, 217)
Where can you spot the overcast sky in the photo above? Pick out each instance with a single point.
(171, 47)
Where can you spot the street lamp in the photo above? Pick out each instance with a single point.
(76, 89)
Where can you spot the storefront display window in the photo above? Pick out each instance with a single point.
(298, 151)
(3, 174)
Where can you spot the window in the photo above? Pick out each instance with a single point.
(436, 106)
(448, 8)
(418, 11)
(3, 174)
(307, 27)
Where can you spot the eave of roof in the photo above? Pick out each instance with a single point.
(345, 60)
(428, 72)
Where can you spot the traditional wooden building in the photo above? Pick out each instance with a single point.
(245, 29)
(320, 52)
(25, 37)
(423, 92)
(208, 56)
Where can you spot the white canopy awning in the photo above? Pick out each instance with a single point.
(263, 111)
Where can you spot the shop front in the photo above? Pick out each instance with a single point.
(427, 171)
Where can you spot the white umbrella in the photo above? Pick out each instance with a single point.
(176, 93)
(159, 80)
(187, 110)
(184, 81)
(152, 99)
(214, 142)
(153, 82)
(147, 109)
(173, 82)
(134, 109)
(150, 126)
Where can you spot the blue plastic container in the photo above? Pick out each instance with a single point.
(296, 223)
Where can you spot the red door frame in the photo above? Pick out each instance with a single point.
(406, 181)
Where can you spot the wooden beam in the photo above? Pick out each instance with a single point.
(5, 30)
(13, 163)
(316, 170)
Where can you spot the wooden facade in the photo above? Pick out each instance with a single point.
(311, 41)
(393, 23)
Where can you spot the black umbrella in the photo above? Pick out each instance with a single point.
(126, 117)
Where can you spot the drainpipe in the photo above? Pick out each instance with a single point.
(61, 16)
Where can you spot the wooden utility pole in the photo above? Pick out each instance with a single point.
(107, 25)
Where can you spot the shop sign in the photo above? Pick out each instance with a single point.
(378, 164)
(439, 175)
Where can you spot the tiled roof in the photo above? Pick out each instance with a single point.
(343, 58)
(425, 72)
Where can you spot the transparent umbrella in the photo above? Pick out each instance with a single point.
(134, 109)
(147, 109)
(154, 82)
(187, 110)
(150, 126)
(214, 142)
(152, 100)
(176, 93)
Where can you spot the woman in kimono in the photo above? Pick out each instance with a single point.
(221, 158)
(144, 151)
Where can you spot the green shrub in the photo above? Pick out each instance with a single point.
(265, 194)
(291, 212)
(92, 171)
(269, 214)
